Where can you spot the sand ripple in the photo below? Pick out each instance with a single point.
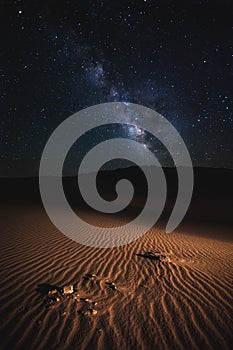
(184, 302)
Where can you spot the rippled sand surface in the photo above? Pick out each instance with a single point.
(182, 302)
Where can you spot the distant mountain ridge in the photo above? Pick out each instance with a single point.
(208, 183)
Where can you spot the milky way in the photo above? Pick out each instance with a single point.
(59, 58)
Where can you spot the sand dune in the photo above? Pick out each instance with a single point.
(183, 302)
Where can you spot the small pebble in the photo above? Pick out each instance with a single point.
(68, 289)
(87, 300)
(91, 312)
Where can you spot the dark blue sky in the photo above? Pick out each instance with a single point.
(59, 57)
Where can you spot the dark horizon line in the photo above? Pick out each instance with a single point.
(116, 169)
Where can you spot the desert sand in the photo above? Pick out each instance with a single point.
(183, 301)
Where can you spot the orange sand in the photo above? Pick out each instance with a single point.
(182, 304)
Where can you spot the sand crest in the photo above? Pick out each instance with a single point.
(122, 298)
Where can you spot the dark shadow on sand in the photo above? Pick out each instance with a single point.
(44, 288)
(150, 256)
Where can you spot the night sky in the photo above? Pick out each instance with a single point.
(59, 57)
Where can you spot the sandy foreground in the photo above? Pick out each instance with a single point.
(183, 302)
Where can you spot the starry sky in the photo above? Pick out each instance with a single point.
(60, 57)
